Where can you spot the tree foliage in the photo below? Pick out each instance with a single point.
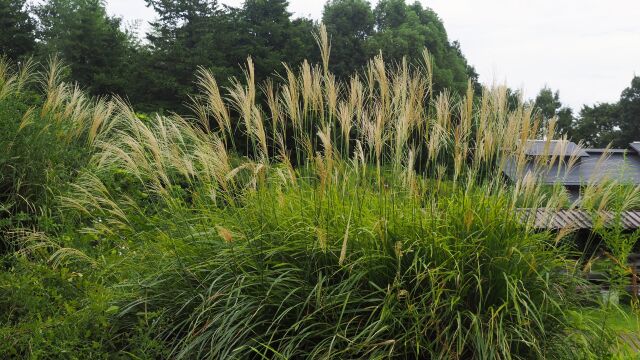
(599, 125)
(549, 106)
(159, 74)
(404, 30)
(186, 35)
(596, 125)
(99, 53)
(350, 23)
(396, 30)
(617, 124)
(271, 37)
(630, 112)
(202, 33)
(17, 29)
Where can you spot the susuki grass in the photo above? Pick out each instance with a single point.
(359, 275)
(312, 218)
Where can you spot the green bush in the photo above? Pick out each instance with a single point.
(44, 146)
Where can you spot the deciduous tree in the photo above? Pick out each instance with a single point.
(405, 30)
(549, 106)
(350, 23)
(630, 112)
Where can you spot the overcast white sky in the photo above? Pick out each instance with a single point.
(587, 49)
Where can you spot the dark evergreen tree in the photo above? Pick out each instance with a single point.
(630, 112)
(617, 124)
(98, 52)
(187, 34)
(547, 103)
(597, 125)
(271, 38)
(17, 30)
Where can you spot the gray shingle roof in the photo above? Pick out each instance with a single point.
(598, 164)
(554, 147)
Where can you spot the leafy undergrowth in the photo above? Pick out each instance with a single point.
(623, 320)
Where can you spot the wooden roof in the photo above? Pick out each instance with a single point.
(577, 219)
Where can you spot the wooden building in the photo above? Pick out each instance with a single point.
(573, 166)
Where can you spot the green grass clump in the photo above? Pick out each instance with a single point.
(355, 273)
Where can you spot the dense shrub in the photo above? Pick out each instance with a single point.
(43, 144)
(353, 273)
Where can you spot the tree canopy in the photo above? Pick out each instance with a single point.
(186, 35)
(629, 116)
(549, 106)
(159, 72)
(397, 30)
(404, 30)
(350, 23)
(598, 125)
(93, 44)
(17, 29)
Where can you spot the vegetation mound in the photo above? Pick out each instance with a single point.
(299, 218)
